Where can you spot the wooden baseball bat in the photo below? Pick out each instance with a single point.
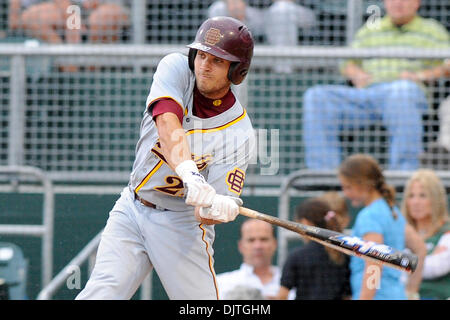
(350, 245)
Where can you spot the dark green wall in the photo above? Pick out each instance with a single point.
(78, 218)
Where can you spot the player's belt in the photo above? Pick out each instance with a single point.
(144, 202)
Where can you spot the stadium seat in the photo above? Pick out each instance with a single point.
(4, 290)
(13, 269)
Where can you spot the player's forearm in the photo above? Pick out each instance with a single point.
(174, 144)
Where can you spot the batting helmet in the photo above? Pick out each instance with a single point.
(226, 38)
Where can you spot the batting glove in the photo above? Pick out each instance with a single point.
(199, 192)
(223, 208)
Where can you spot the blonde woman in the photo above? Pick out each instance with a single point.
(425, 208)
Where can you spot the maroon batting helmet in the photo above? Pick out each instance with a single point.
(226, 38)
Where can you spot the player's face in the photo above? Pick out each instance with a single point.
(211, 75)
(418, 202)
(257, 244)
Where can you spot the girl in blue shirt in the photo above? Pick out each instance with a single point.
(379, 221)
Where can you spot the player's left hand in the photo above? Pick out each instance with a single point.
(204, 220)
(223, 208)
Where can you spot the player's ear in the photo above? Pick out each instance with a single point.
(237, 72)
(191, 57)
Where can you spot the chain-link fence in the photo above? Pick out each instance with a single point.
(84, 125)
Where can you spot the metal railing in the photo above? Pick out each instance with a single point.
(86, 254)
(44, 230)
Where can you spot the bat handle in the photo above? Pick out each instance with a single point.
(248, 212)
(261, 216)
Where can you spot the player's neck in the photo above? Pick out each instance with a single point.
(206, 108)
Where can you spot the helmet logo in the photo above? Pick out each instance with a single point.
(212, 36)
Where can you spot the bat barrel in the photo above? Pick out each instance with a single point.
(347, 244)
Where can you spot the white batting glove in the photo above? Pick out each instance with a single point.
(223, 208)
(199, 192)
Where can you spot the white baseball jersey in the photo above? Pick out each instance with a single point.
(220, 145)
(168, 238)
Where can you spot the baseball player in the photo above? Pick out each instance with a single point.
(194, 148)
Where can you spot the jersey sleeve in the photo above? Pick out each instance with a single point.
(166, 105)
(170, 81)
(227, 174)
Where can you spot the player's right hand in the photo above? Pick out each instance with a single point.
(198, 192)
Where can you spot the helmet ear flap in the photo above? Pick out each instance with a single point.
(232, 70)
(191, 57)
(237, 72)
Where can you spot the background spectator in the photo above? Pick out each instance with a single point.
(438, 155)
(44, 20)
(257, 246)
(426, 209)
(279, 23)
(314, 271)
(339, 205)
(106, 19)
(102, 20)
(238, 9)
(389, 91)
(282, 23)
(283, 20)
(380, 221)
(244, 293)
